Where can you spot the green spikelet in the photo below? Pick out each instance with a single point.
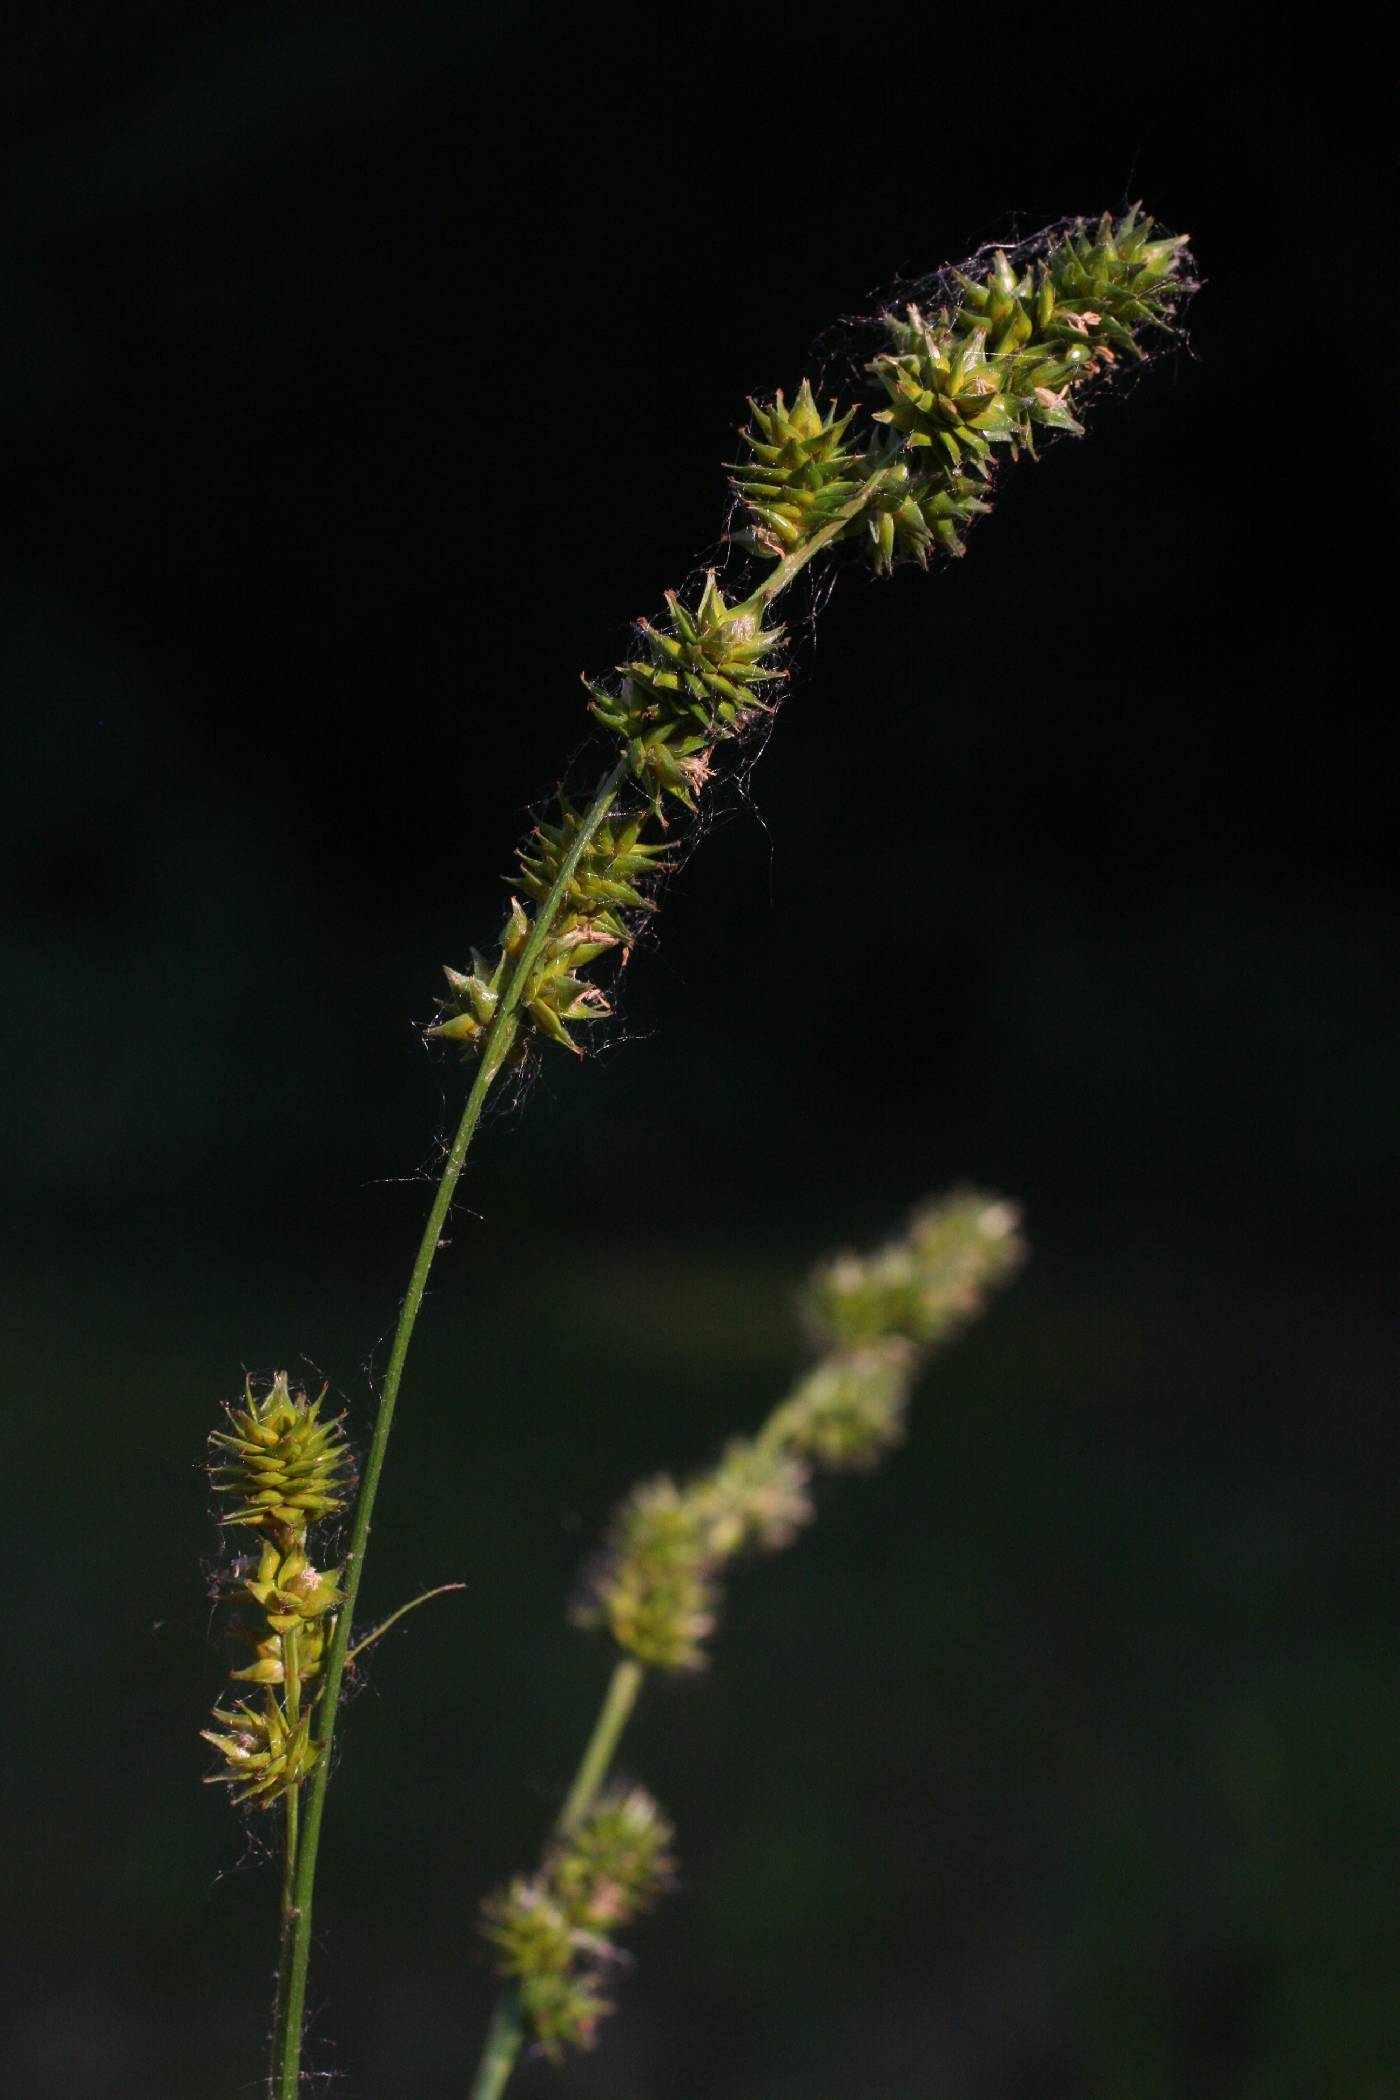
(264, 1755)
(944, 393)
(654, 1587)
(755, 1497)
(848, 1412)
(921, 1288)
(1006, 360)
(278, 1462)
(699, 682)
(799, 473)
(610, 877)
(554, 996)
(607, 882)
(614, 1863)
(1087, 290)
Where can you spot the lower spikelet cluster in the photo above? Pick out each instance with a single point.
(1006, 350)
(552, 1930)
(281, 1467)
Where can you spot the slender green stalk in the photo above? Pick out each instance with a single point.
(393, 1619)
(613, 1716)
(291, 1985)
(507, 2029)
(290, 1813)
(501, 2051)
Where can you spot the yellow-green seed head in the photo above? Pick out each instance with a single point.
(699, 683)
(278, 1462)
(264, 1756)
(756, 1496)
(850, 1411)
(799, 473)
(563, 2011)
(920, 1287)
(528, 1929)
(654, 1587)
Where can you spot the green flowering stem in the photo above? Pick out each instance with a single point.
(507, 2030)
(291, 1995)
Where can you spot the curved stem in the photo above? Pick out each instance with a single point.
(394, 1617)
(507, 2030)
(499, 1039)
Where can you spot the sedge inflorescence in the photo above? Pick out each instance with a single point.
(282, 1466)
(656, 1587)
(1008, 351)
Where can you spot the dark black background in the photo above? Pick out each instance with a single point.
(363, 373)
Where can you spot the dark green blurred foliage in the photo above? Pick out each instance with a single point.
(1059, 1759)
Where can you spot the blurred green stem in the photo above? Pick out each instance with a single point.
(507, 2029)
(499, 1039)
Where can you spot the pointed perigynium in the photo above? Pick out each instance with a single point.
(283, 1467)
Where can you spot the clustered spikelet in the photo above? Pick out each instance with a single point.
(282, 1467)
(799, 475)
(1008, 351)
(656, 1587)
(551, 1930)
(920, 1288)
(699, 682)
(277, 1461)
(1004, 360)
(606, 885)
